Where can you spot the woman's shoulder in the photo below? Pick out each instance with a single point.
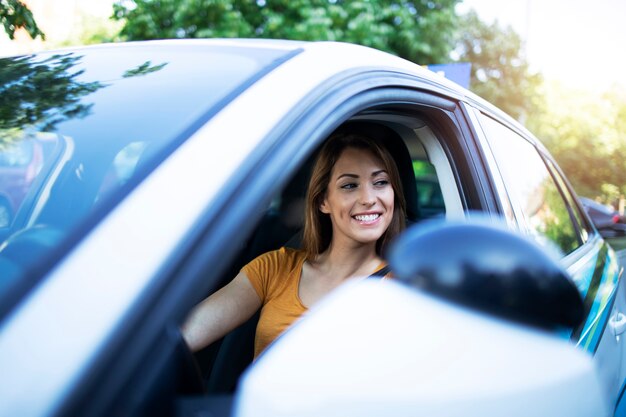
(282, 256)
(285, 254)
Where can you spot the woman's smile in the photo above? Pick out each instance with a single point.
(367, 218)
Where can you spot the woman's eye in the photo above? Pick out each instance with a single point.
(349, 186)
(381, 183)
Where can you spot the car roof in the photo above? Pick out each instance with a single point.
(347, 55)
(350, 54)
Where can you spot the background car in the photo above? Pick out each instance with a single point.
(179, 161)
(609, 222)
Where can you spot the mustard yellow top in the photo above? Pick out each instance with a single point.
(275, 277)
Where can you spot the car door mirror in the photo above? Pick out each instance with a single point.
(487, 267)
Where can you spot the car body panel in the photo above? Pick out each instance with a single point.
(352, 335)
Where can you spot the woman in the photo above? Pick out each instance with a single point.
(355, 206)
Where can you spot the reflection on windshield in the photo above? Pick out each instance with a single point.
(41, 93)
(143, 69)
(36, 96)
(21, 164)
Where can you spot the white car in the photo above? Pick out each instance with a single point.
(169, 164)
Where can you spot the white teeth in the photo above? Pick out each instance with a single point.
(367, 217)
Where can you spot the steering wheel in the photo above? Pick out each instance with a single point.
(190, 381)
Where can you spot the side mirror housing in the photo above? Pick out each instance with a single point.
(485, 266)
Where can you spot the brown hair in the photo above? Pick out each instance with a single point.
(317, 225)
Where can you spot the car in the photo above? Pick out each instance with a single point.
(601, 215)
(607, 220)
(174, 162)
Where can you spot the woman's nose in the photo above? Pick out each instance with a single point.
(367, 196)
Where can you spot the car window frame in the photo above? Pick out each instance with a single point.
(504, 203)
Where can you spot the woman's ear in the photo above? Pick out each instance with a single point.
(324, 207)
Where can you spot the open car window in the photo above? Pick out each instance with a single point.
(429, 188)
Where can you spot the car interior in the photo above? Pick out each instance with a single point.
(424, 168)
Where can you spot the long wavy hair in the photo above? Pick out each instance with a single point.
(318, 231)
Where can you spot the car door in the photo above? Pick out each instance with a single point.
(544, 207)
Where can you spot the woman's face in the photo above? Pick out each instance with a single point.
(359, 198)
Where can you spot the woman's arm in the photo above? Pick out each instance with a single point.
(221, 312)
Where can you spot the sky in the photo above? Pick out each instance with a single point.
(581, 43)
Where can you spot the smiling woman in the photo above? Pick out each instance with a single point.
(332, 172)
(355, 207)
(359, 197)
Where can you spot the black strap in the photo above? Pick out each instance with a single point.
(381, 272)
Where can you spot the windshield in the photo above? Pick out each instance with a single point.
(79, 129)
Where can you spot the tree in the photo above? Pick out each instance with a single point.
(586, 134)
(15, 15)
(500, 72)
(88, 29)
(421, 31)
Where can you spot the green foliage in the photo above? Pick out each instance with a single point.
(41, 93)
(586, 135)
(15, 15)
(421, 31)
(500, 72)
(88, 30)
(557, 222)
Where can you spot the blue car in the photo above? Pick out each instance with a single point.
(167, 165)
(610, 223)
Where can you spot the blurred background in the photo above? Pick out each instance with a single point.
(557, 66)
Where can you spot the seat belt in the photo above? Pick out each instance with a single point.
(381, 272)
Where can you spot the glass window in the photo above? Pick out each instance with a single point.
(575, 209)
(24, 160)
(79, 129)
(428, 189)
(536, 197)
